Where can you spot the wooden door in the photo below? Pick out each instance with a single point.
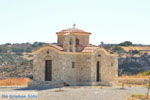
(48, 70)
(98, 72)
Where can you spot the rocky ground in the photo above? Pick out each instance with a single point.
(82, 93)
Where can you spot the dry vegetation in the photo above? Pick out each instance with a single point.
(134, 80)
(15, 82)
(129, 48)
(139, 97)
(137, 80)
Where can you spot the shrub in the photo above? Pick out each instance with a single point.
(118, 49)
(17, 50)
(126, 43)
(3, 50)
(146, 73)
(135, 51)
(139, 96)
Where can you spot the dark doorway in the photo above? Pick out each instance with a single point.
(48, 70)
(77, 41)
(98, 72)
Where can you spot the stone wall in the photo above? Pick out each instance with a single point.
(108, 65)
(60, 40)
(64, 41)
(84, 63)
(83, 71)
(39, 65)
(84, 39)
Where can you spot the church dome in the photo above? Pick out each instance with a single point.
(73, 30)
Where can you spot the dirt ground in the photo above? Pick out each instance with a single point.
(78, 93)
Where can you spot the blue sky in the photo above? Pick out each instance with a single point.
(110, 21)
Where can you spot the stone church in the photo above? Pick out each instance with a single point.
(73, 61)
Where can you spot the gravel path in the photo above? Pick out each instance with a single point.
(82, 93)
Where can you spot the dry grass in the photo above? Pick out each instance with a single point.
(139, 97)
(128, 48)
(134, 80)
(15, 82)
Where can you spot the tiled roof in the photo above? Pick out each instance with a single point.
(56, 47)
(90, 49)
(50, 45)
(72, 30)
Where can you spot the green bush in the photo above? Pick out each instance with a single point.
(146, 73)
(118, 49)
(3, 50)
(126, 43)
(29, 49)
(38, 44)
(139, 96)
(135, 51)
(17, 50)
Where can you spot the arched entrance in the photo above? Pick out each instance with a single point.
(98, 71)
(48, 70)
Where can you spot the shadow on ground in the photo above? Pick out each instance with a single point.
(37, 89)
(59, 89)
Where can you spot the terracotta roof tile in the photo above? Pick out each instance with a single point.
(56, 47)
(90, 49)
(50, 45)
(74, 30)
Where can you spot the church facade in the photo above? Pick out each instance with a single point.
(73, 61)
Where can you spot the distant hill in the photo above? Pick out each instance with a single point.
(20, 48)
(16, 59)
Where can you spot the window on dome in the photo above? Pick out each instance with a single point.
(77, 42)
(70, 42)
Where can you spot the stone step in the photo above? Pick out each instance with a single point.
(46, 84)
(93, 84)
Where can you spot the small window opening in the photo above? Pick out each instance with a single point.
(70, 42)
(73, 64)
(112, 64)
(77, 42)
(47, 52)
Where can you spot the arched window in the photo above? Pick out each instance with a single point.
(77, 41)
(70, 42)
